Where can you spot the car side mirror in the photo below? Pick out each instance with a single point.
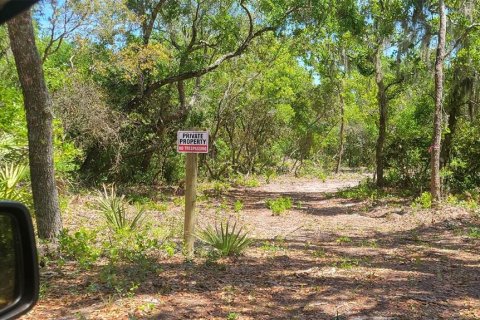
(19, 280)
(10, 8)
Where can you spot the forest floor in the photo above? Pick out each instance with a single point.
(326, 258)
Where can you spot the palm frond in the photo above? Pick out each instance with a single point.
(226, 239)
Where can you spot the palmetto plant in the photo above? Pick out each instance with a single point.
(227, 241)
(114, 209)
(10, 177)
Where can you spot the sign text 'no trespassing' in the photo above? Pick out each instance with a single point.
(192, 141)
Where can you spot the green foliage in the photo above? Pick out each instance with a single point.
(474, 233)
(232, 316)
(312, 169)
(347, 263)
(80, 246)
(11, 187)
(344, 239)
(365, 190)
(131, 245)
(237, 206)
(179, 201)
(114, 209)
(246, 181)
(319, 253)
(228, 241)
(273, 246)
(279, 205)
(220, 187)
(423, 201)
(270, 174)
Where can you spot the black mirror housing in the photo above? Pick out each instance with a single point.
(26, 274)
(10, 8)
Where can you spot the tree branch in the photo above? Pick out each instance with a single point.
(461, 38)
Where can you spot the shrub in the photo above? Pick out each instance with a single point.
(238, 206)
(363, 191)
(132, 246)
(79, 246)
(246, 181)
(270, 174)
(227, 241)
(423, 201)
(114, 208)
(279, 205)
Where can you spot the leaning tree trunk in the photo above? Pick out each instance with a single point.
(382, 101)
(437, 122)
(39, 116)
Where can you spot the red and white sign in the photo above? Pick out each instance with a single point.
(192, 141)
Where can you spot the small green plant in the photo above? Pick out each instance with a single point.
(270, 174)
(179, 201)
(369, 243)
(79, 246)
(452, 199)
(343, 239)
(279, 205)
(319, 253)
(272, 246)
(423, 201)
(227, 241)
(224, 205)
(252, 182)
(114, 209)
(474, 233)
(237, 206)
(220, 187)
(149, 204)
(232, 316)
(299, 205)
(247, 181)
(347, 263)
(169, 248)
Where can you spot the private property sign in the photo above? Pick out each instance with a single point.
(192, 141)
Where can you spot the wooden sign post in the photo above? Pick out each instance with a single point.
(192, 143)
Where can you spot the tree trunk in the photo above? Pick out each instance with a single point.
(39, 116)
(382, 108)
(437, 122)
(342, 130)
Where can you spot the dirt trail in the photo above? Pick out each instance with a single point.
(326, 258)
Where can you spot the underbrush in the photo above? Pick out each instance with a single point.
(366, 190)
(123, 259)
(279, 205)
(311, 169)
